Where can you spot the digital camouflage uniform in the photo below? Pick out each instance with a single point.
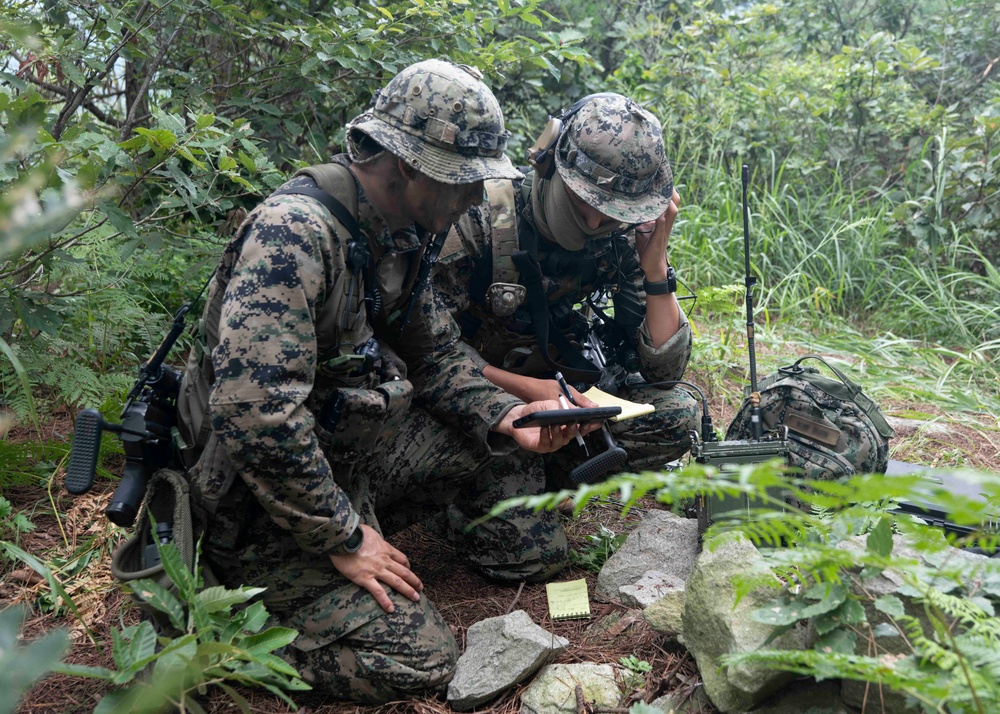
(603, 264)
(284, 320)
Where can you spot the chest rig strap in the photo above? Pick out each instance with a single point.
(504, 295)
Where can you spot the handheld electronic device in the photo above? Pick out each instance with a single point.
(558, 417)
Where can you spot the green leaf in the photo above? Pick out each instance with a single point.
(247, 162)
(161, 599)
(161, 138)
(890, 605)
(122, 222)
(241, 702)
(227, 163)
(880, 538)
(253, 618)
(884, 629)
(82, 670)
(204, 121)
(143, 644)
(221, 598)
(178, 572)
(183, 151)
(270, 639)
(24, 380)
(841, 641)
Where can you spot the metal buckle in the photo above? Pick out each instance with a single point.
(504, 298)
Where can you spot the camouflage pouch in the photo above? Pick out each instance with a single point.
(350, 420)
(834, 429)
(168, 503)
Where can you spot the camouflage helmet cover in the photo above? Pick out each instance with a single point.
(611, 155)
(442, 120)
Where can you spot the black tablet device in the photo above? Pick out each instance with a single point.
(552, 417)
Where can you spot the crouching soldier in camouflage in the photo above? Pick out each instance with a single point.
(316, 336)
(594, 216)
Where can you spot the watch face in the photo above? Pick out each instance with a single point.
(353, 542)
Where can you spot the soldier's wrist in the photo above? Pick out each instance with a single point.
(661, 287)
(351, 544)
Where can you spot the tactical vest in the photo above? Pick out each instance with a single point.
(340, 325)
(509, 278)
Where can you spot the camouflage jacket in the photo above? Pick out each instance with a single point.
(282, 313)
(567, 278)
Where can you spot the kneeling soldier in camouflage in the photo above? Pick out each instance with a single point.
(315, 338)
(594, 216)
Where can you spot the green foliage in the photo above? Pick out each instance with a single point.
(635, 664)
(939, 617)
(212, 646)
(12, 524)
(599, 547)
(637, 670)
(21, 665)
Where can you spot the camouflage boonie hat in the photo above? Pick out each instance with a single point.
(611, 155)
(441, 120)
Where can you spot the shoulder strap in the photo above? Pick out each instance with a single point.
(503, 229)
(332, 180)
(853, 393)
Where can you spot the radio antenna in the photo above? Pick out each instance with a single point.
(750, 281)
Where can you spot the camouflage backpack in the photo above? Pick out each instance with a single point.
(834, 429)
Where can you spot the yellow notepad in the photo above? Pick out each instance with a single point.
(568, 600)
(630, 410)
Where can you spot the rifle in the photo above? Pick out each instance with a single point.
(148, 418)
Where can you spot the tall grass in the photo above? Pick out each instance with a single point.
(837, 252)
(833, 268)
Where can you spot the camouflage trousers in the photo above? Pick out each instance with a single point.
(348, 645)
(651, 440)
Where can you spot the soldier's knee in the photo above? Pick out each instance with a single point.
(400, 655)
(524, 546)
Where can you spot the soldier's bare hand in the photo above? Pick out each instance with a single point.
(378, 563)
(541, 439)
(652, 239)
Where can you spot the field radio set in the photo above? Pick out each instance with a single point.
(730, 454)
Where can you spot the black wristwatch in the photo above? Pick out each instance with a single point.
(352, 544)
(662, 287)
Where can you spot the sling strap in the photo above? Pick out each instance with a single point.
(577, 368)
(334, 206)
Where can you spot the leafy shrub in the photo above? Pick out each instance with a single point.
(214, 646)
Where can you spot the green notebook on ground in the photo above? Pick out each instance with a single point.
(568, 600)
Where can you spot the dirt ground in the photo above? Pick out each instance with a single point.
(460, 593)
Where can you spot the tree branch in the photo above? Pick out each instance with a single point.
(150, 72)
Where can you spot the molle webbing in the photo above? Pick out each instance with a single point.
(503, 225)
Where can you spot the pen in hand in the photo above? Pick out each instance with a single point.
(564, 402)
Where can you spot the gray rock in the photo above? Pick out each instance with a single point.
(714, 626)
(662, 542)
(500, 652)
(649, 588)
(972, 566)
(677, 703)
(665, 615)
(554, 689)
